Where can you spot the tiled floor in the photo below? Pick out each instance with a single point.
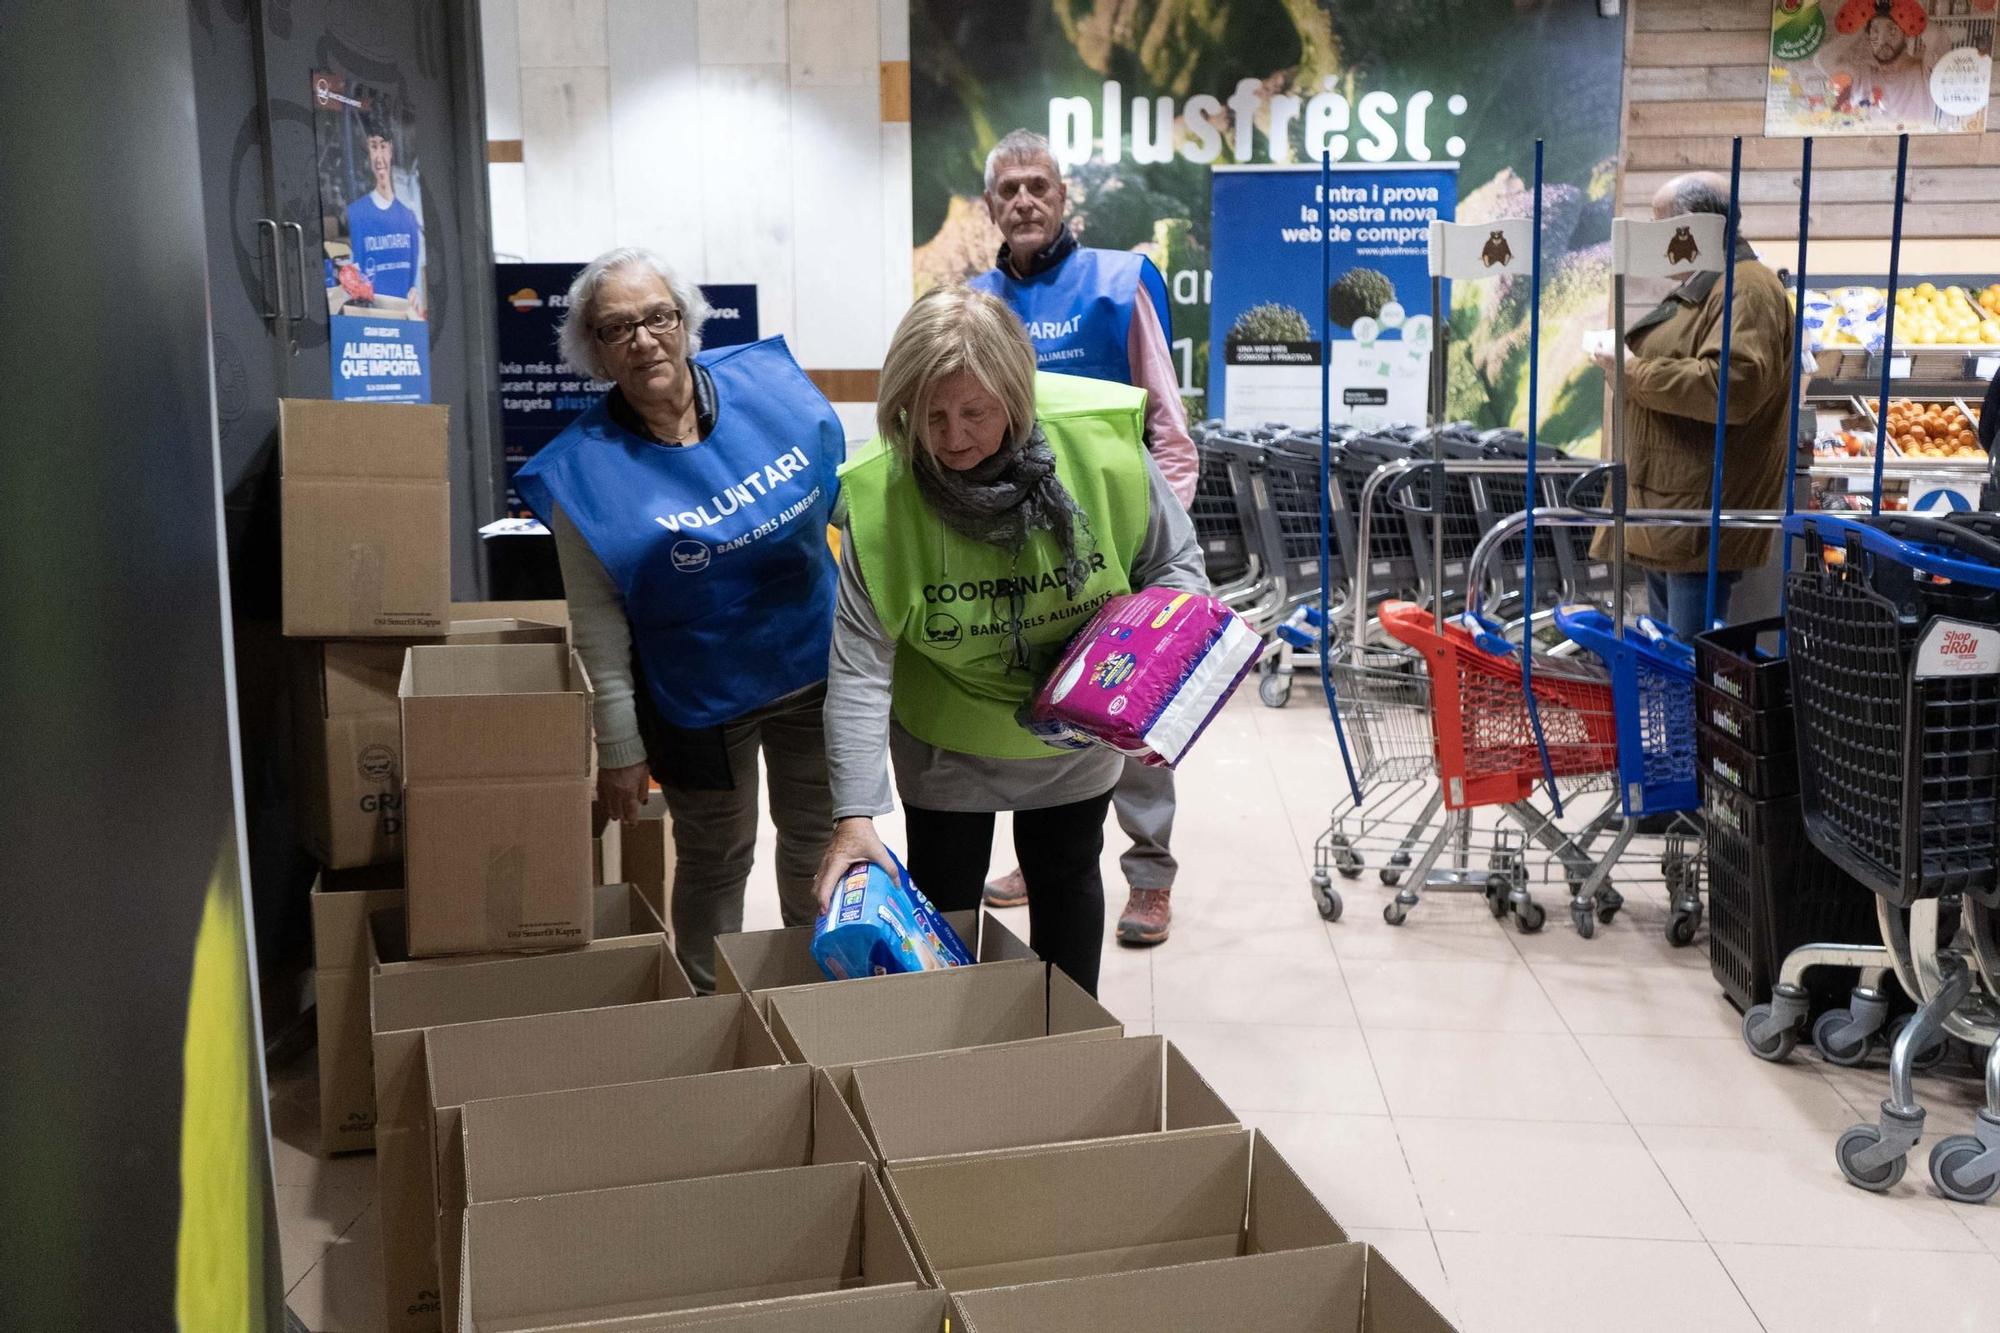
(1544, 1133)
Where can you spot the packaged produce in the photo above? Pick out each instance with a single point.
(1145, 676)
(878, 923)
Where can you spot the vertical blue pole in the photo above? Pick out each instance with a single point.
(1722, 386)
(1889, 315)
(1798, 370)
(1326, 472)
(1534, 494)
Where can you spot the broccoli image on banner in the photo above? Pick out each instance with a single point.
(1359, 293)
(1271, 322)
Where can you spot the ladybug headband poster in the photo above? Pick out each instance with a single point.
(372, 238)
(1856, 67)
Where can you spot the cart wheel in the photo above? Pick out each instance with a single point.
(1275, 690)
(1530, 918)
(1390, 878)
(1950, 1160)
(1584, 919)
(1857, 1141)
(1681, 927)
(1931, 1056)
(1831, 1022)
(1607, 912)
(1392, 874)
(1394, 914)
(1348, 862)
(1497, 889)
(1326, 899)
(1778, 1047)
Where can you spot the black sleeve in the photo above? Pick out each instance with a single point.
(1989, 415)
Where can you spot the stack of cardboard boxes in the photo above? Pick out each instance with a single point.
(568, 1138)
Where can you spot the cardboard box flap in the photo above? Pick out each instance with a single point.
(620, 912)
(897, 1308)
(756, 961)
(342, 903)
(1283, 1214)
(1191, 1102)
(873, 1018)
(934, 1105)
(413, 995)
(1056, 1212)
(494, 711)
(357, 676)
(1073, 1010)
(504, 629)
(363, 442)
(483, 670)
(646, 1249)
(638, 1133)
(1329, 1290)
(550, 612)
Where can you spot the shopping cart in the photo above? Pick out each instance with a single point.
(1226, 525)
(1384, 701)
(1894, 637)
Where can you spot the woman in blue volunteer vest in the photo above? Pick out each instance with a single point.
(998, 510)
(690, 510)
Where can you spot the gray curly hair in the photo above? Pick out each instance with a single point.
(575, 339)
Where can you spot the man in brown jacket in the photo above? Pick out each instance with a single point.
(1672, 372)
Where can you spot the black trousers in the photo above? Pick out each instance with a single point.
(1058, 848)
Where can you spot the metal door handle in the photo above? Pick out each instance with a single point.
(277, 268)
(305, 301)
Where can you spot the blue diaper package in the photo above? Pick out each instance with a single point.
(880, 923)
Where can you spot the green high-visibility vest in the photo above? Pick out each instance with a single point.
(945, 599)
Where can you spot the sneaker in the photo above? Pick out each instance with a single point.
(1146, 918)
(1010, 890)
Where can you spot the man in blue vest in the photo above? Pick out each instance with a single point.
(1101, 313)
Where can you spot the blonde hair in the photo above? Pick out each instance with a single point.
(949, 330)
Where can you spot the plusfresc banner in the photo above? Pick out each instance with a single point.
(1272, 294)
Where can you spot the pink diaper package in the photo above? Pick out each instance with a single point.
(1145, 676)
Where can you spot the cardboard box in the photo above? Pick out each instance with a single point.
(1060, 1092)
(837, 1025)
(759, 962)
(646, 851)
(617, 911)
(555, 611)
(408, 998)
(348, 741)
(1335, 1289)
(365, 518)
(592, 1048)
(496, 797)
(678, 1246)
(897, 1308)
(342, 902)
(1042, 1214)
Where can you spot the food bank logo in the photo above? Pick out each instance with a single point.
(943, 631)
(690, 557)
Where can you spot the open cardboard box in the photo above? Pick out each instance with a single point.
(1332, 1289)
(365, 518)
(604, 1257)
(348, 748)
(405, 1000)
(759, 962)
(837, 1025)
(586, 1048)
(897, 1308)
(496, 797)
(342, 903)
(618, 911)
(1053, 1092)
(1037, 1215)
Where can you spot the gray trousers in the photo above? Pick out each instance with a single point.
(1144, 800)
(715, 832)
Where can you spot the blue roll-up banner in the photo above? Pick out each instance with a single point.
(539, 393)
(1268, 299)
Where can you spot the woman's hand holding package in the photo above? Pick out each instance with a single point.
(854, 840)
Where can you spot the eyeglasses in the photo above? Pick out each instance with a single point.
(655, 323)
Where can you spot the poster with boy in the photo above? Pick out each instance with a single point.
(1857, 67)
(371, 205)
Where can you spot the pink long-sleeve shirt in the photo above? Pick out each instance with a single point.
(1166, 421)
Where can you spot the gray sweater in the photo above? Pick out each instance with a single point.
(861, 736)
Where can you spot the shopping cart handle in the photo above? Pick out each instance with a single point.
(1927, 545)
(1401, 482)
(1613, 475)
(1663, 640)
(1490, 635)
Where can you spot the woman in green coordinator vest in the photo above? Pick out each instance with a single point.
(996, 511)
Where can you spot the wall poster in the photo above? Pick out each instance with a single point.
(1143, 99)
(371, 222)
(1858, 67)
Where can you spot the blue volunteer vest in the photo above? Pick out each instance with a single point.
(719, 548)
(1079, 313)
(386, 244)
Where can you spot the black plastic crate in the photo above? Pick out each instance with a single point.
(1761, 731)
(1761, 777)
(1743, 663)
(1771, 891)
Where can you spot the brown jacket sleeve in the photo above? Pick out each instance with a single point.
(1687, 386)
